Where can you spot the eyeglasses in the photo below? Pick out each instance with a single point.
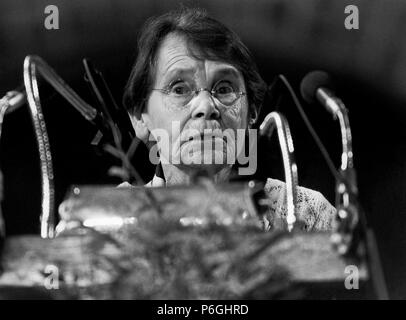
(181, 93)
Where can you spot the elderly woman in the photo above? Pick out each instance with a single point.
(194, 79)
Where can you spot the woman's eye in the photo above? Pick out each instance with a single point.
(180, 89)
(224, 88)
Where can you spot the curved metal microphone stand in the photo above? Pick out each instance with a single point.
(346, 188)
(289, 164)
(349, 212)
(32, 66)
(347, 154)
(348, 185)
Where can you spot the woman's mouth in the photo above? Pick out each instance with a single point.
(204, 136)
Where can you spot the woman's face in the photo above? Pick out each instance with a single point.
(194, 128)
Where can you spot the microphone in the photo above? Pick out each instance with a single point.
(115, 118)
(10, 102)
(318, 86)
(351, 226)
(14, 99)
(34, 66)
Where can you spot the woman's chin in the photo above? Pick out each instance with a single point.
(212, 161)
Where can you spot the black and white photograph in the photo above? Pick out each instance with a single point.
(202, 153)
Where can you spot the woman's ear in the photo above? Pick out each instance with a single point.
(253, 116)
(140, 127)
(146, 120)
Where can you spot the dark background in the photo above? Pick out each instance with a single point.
(289, 37)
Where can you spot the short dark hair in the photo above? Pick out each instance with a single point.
(214, 41)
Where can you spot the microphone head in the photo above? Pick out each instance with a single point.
(313, 81)
(16, 99)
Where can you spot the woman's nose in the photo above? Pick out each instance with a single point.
(204, 106)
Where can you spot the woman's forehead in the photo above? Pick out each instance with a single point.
(176, 56)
